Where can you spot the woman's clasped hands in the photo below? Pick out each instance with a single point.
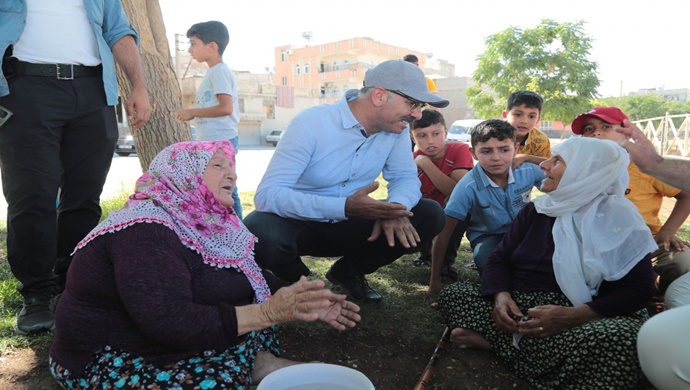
(538, 321)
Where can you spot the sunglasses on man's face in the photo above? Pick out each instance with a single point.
(414, 104)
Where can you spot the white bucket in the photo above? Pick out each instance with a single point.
(316, 376)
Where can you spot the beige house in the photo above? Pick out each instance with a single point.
(311, 75)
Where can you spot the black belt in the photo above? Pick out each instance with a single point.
(59, 71)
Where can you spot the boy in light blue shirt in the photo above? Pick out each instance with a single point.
(218, 111)
(487, 199)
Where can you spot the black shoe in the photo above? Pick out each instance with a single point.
(656, 306)
(36, 315)
(421, 262)
(356, 287)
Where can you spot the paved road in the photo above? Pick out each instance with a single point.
(251, 165)
(124, 171)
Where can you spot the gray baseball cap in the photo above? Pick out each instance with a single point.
(404, 77)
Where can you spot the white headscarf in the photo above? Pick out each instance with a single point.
(598, 234)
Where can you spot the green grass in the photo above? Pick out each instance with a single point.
(11, 304)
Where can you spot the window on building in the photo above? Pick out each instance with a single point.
(283, 55)
(335, 65)
(546, 125)
(345, 64)
(306, 67)
(297, 69)
(240, 102)
(283, 80)
(322, 67)
(269, 108)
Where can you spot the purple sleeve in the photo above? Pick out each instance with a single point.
(274, 282)
(497, 275)
(154, 283)
(628, 294)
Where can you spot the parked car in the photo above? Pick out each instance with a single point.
(274, 137)
(460, 130)
(125, 142)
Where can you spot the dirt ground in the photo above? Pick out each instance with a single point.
(390, 363)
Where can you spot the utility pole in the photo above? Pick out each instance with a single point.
(177, 60)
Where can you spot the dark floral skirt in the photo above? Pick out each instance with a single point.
(600, 354)
(229, 369)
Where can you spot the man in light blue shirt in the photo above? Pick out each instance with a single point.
(313, 199)
(58, 79)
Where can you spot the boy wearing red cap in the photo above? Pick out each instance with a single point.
(646, 192)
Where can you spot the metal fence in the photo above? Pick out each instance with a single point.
(668, 139)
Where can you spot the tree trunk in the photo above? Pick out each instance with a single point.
(163, 128)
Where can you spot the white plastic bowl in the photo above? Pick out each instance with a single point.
(316, 376)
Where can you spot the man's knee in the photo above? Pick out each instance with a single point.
(276, 249)
(268, 227)
(429, 219)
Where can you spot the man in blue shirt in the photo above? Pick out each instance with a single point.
(313, 199)
(58, 79)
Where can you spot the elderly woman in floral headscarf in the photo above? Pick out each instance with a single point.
(564, 293)
(165, 293)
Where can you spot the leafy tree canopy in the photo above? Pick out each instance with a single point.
(550, 59)
(645, 106)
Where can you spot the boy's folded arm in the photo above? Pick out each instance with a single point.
(523, 157)
(222, 109)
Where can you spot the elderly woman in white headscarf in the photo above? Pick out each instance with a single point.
(564, 293)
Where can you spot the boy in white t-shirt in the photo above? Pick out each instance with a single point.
(218, 112)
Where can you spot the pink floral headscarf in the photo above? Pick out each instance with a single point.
(174, 194)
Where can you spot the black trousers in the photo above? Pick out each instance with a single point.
(282, 241)
(62, 136)
(451, 251)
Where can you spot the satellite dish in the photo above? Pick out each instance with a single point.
(307, 35)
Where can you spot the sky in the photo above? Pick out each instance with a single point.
(637, 44)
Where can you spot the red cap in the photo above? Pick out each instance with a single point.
(612, 115)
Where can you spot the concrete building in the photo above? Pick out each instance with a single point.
(678, 95)
(453, 89)
(327, 70)
(307, 76)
